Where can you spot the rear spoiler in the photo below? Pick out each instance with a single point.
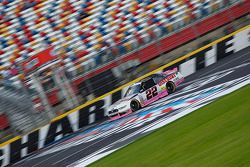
(170, 71)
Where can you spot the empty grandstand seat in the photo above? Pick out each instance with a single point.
(85, 28)
(4, 122)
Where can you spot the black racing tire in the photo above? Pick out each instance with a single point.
(170, 86)
(135, 105)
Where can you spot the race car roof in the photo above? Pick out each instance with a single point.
(149, 77)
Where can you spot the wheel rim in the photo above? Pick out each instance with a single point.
(170, 87)
(134, 106)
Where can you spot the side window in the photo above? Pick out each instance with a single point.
(158, 78)
(148, 84)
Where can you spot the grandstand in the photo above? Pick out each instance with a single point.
(83, 35)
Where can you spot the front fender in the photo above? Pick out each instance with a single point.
(139, 98)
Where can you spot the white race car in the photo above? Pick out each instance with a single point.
(147, 91)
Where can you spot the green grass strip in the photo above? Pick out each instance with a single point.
(217, 135)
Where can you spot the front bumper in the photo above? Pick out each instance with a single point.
(120, 115)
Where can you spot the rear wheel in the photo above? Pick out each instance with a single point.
(170, 87)
(135, 105)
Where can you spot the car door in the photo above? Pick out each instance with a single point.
(151, 90)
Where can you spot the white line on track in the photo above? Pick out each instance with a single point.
(225, 64)
(219, 72)
(64, 151)
(125, 137)
(105, 135)
(245, 60)
(70, 154)
(108, 135)
(161, 122)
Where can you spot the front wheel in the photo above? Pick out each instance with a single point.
(170, 87)
(135, 105)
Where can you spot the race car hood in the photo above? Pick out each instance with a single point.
(128, 98)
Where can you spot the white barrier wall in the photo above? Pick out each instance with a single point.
(13, 150)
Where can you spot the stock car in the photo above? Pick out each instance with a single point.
(145, 92)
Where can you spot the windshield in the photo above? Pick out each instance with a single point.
(133, 90)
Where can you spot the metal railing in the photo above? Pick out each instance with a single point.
(17, 105)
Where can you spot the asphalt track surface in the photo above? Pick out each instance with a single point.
(84, 147)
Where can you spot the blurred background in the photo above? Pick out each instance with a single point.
(56, 55)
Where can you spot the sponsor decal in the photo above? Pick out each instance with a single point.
(165, 80)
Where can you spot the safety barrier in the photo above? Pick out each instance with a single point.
(94, 111)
